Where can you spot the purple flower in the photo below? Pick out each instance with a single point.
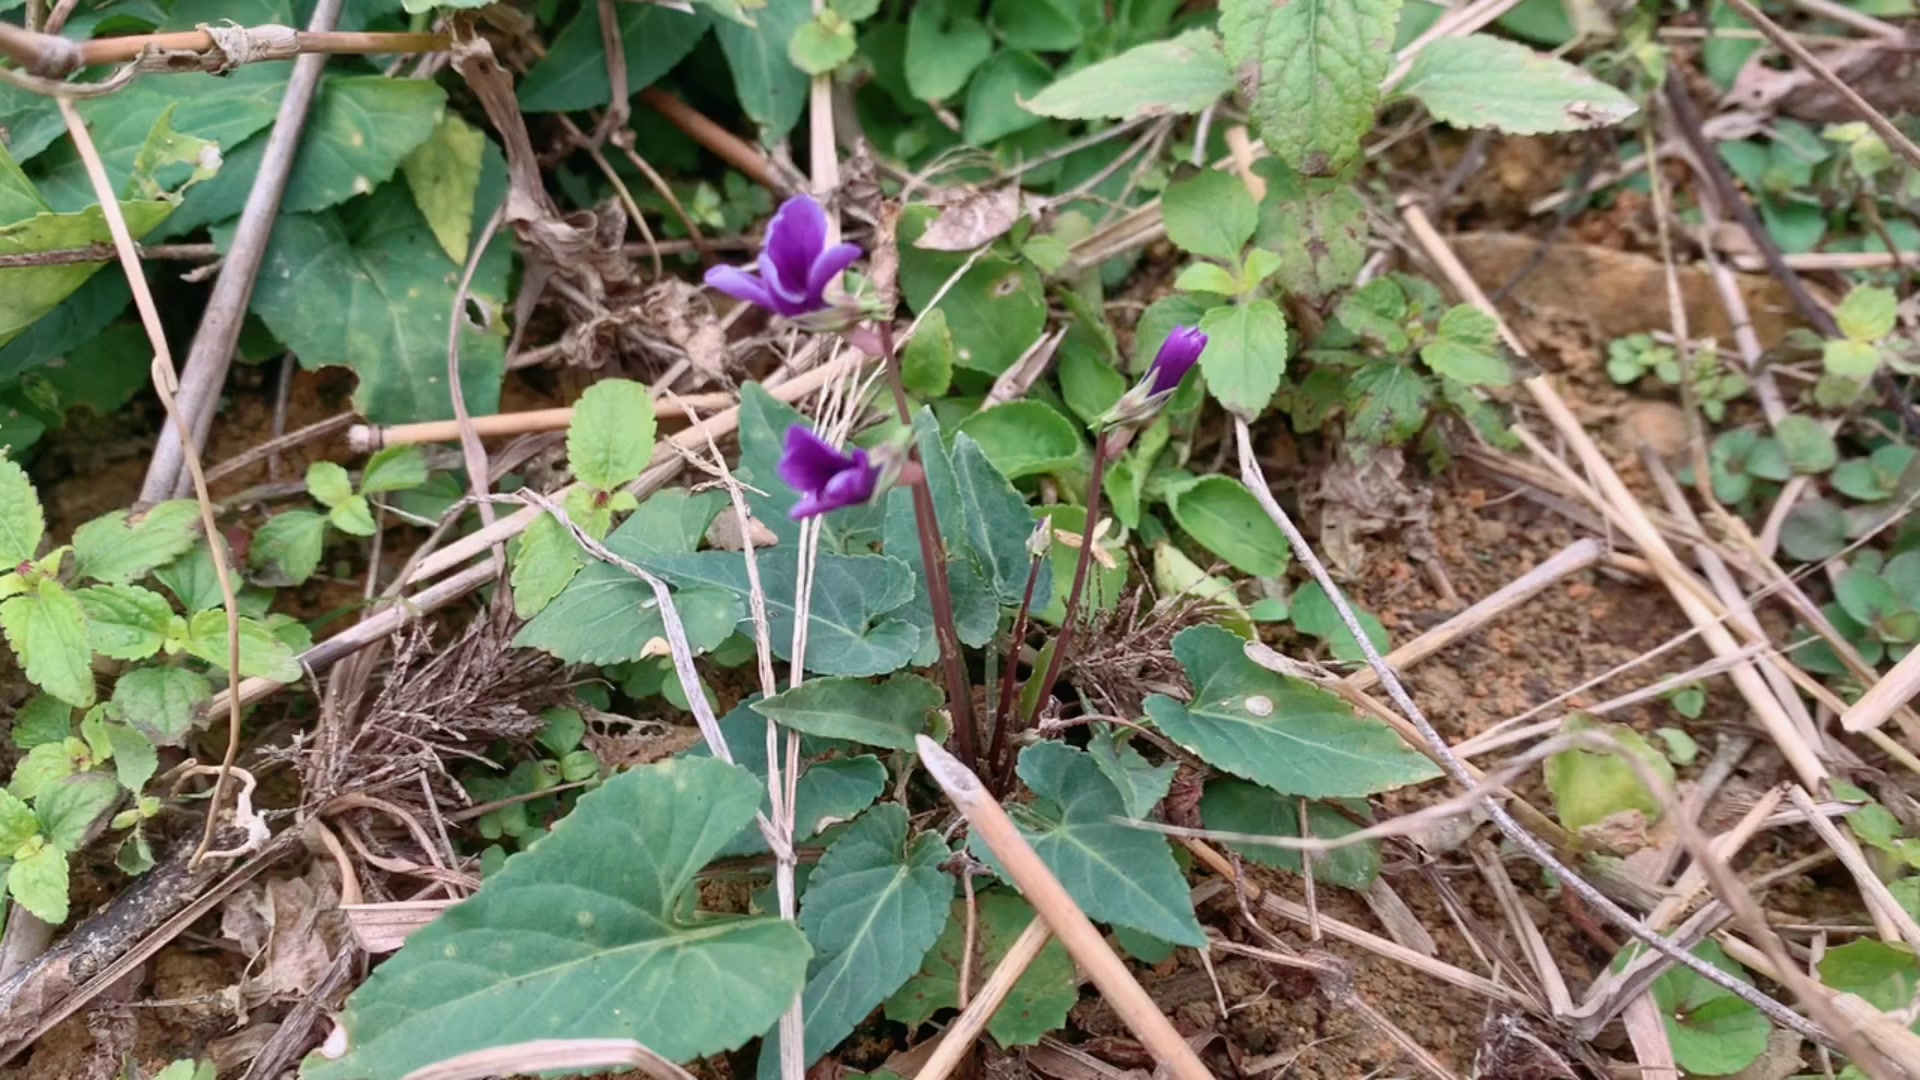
(1177, 356)
(796, 265)
(826, 478)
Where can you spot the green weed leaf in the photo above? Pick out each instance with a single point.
(395, 468)
(1315, 68)
(1713, 1032)
(17, 824)
(47, 629)
(602, 946)
(996, 97)
(68, 809)
(822, 43)
(926, 367)
(611, 437)
(329, 483)
(573, 74)
(1226, 519)
(945, 43)
(874, 905)
(1024, 438)
(1479, 81)
(1314, 614)
(160, 701)
(444, 175)
(996, 310)
(125, 622)
(1040, 999)
(38, 880)
(545, 562)
(1211, 214)
(831, 791)
(1387, 402)
(1184, 75)
(1246, 355)
(885, 714)
(262, 655)
(43, 719)
(771, 90)
(1589, 786)
(1867, 313)
(22, 523)
(1276, 730)
(1331, 212)
(1141, 785)
(1808, 446)
(110, 548)
(286, 550)
(1116, 874)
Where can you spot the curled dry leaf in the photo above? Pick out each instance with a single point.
(678, 310)
(291, 929)
(725, 535)
(975, 219)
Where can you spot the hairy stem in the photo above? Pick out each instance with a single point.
(1003, 708)
(1104, 445)
(933, 556)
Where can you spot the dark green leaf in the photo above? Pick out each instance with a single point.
(994, 108)
(1386, 402)
(945, 43)
(1224, 516)
(771, 90)
(1024, 438)
(1141, 785)
(1041, 997)
(885, 714)
(1230, 805)
(573, 74)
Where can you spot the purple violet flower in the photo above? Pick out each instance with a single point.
(827, 479)
(1177, 356)
(795, 266)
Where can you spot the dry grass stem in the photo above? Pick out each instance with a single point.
(1041, 889)
(552, 1055)
(959, 1037)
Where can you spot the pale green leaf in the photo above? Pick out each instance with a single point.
(1230, 805)
(1807, 444)
(38, 880)
(19, 199)
(22, 522)
(1207, 277)
(585, 936)
(114, 548)
(286, 550)
(353, 516)
(926, 364)
(1312, 70)
(1041, 25)
(1211, 214)
(1040, 999)
(262, 655)
(395, 468)
(1589, 786)
(27, 293)
(1712, 1031)
(885, 714)
(1246, 355)
(1276, 730)
(125, 622)
(1882, 973)
(1848, 359)
(874, 905)
(822, 43)
(545, 561)
(48, 764)
(444, 175)
(1184, 75)
(1116, 874)
(996, 310)
(160, 702)
(17, 823)
(1479, 81)
(329, 483)
(47, 629)
(1227, 520)
(611, 437)
(1867, 313)
(67, 810)
(192, 578)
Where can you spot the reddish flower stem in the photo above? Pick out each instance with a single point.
(999, 756)
(933, 556)
(1110, 441)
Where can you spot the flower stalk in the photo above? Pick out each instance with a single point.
(999, 756)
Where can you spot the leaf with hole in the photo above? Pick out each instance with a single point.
(1116, 874)
(874, 905)
(602, 945)
(1277, 730)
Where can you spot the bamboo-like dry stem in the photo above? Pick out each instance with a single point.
(365, 438)
(960, 1035)
(1071, 925)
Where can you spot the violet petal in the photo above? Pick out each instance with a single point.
(740, 285)
(1176, 357)
(795, 238)
(784, 297)
(810, 463)
(827, 267)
